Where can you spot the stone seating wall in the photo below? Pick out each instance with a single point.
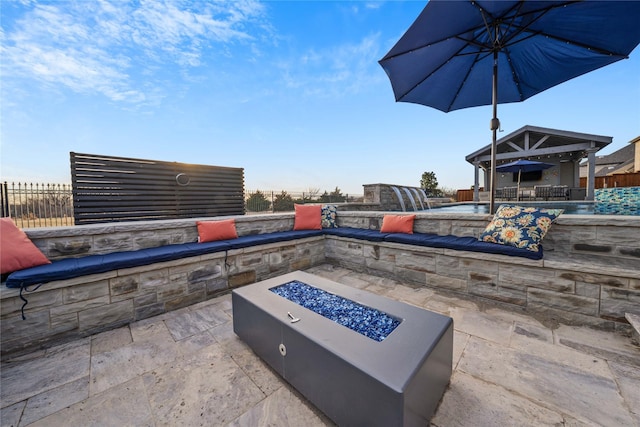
(590, 273)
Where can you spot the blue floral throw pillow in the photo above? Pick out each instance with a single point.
(328, 216)
(519, 226)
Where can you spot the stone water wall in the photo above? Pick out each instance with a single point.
(387, 199)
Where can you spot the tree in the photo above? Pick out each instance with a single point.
(283, 202)
(257, 202)
(429, 183)
(333, 197)
(310, 195)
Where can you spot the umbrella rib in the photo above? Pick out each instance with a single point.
(540, 11)
(453, 100)
(399, 98)
(453, 36)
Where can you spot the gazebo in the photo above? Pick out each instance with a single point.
(563, 148)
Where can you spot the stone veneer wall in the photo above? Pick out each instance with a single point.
(382, 198)
(387, 199)
(618, 201)
(590, 273)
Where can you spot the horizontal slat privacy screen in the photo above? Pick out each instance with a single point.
(108, 189)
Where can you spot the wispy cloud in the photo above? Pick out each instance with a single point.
(102, 47)
(335, 71)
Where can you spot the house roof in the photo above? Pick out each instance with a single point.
(534, 142)
(619, 161)
(623, 155)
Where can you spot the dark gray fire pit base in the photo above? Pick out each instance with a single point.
(353, 379)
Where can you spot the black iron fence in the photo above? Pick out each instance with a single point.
(37, 205)
(51, 205)
(260, 201)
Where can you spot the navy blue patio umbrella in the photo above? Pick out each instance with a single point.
(450, 56)
(523, 166)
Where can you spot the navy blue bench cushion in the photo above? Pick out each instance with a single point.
(93, 264)
(278, 236)
(461, 243)
(357, 233)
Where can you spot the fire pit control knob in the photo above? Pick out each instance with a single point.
(283, 349)
(293, 318)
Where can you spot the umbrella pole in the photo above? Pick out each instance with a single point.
(518, 189)
(495, 125)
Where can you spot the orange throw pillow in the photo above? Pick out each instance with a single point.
(209, 231)
(17, 251)
(397, 224)
(308, 217)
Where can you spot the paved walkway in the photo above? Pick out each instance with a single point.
(187, 368)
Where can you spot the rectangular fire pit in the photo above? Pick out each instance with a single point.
(360, 358)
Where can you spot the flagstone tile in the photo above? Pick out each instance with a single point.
(111, 340)
(58, 366)
(566, 388)
(526, 330)
(443, 304)
(411, 295)
(186, 325)
(282, 408)
(118, 366)
(204, 388)
(152, 329)
(560, 354)
(10, 415)
(379, 289)
(259, 371)
(628, 378)
(471, 402)
(481, 325)
(214, 314)
(225, 335)
(49, 402)
(513, 315)
(460, 340)
(605, 344)
(196, 342)
(122, 405)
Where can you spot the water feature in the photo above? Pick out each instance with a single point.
(426, 198)
(400, 199)
(415, 192)
(411, 199)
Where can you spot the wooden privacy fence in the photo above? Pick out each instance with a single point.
(108, 189)
(631, 179)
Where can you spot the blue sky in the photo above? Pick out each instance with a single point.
(291, 91)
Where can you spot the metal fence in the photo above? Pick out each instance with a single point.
(260, 201)
(111, 189)
(37, 205)
(51, 205)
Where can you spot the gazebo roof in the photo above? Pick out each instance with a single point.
(538, 143)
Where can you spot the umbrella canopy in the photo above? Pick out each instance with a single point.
(523, 166)
(450, 56)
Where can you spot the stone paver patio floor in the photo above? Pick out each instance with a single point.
(188, 368)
